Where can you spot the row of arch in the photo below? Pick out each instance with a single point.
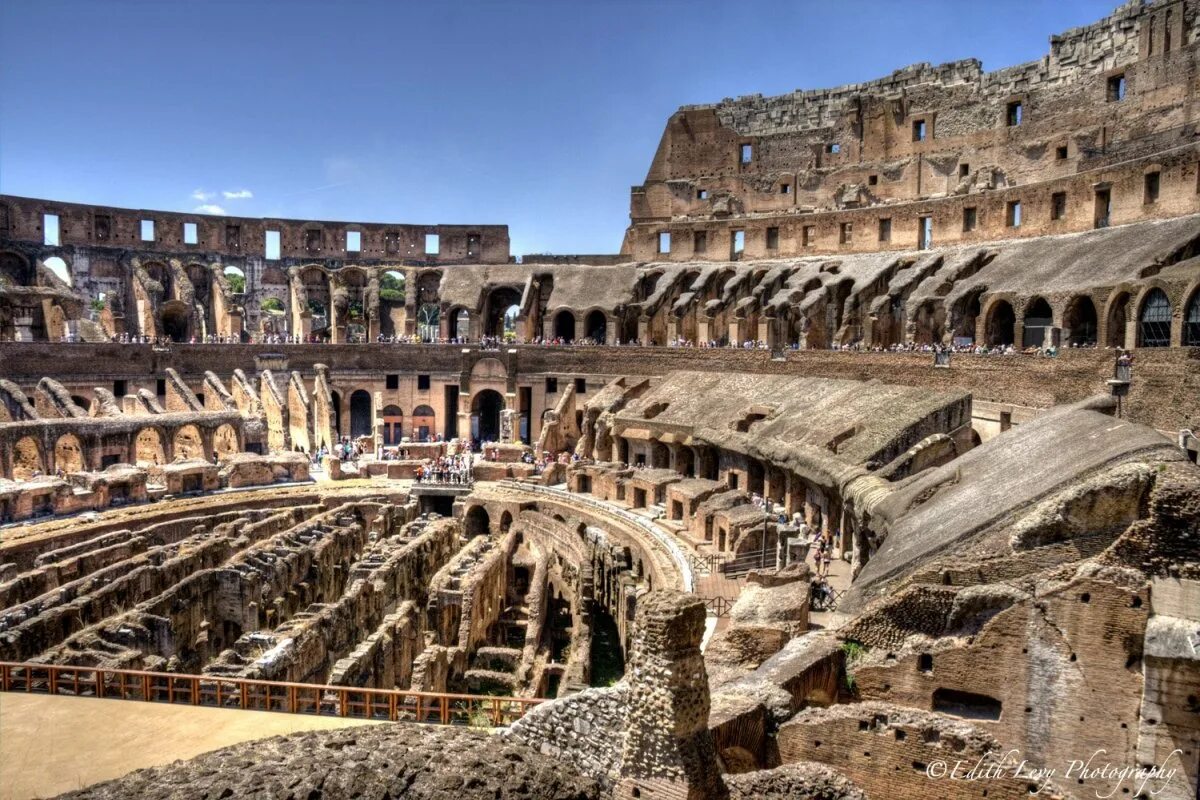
(149, 447)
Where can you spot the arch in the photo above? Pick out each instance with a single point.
(564, 326)
(1117, 319)
(174, 318)
(393, 424)
(15, 270)
(1154, 320)
(476, 522)
(148, 448)
(459, 324)
(1001, 324)
(391, 286)
(485, 415)
(1038, 318)
(360, 414)
(505, 521)
(236, 279)
(660, 456)
(500, 311)
(595, 326)
(424, 423)
(60, 269)
(1191, 321)
(428, 321)
(187, 443)
(1080, 321)
(27, 459)
(68, 453)
(225, 441)
(964, 315)
(685, 462)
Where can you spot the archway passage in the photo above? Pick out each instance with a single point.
(187, 443)
(1154, 323)
(360, 414)
(501, 311)
(1038, 320)
(564, 326)
(476, 522)
(68, 454)
(225, 441)
(1000, 329)
(1191, 322)
(148, 448)
(596, 326)
(1118, 318)
(485, 416)
(428, 321)
(175, 321)
(1080, 322)
(27, 459)
(393, 424)
(424, 423)
(460, 324)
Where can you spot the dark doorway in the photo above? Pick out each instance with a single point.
(1001, 326)
(597, 326)
(360, 414)
(174, 323)
(485, 416)
(564, 326)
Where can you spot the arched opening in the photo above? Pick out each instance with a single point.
(564, 326)
(501, 311)
(660, 456)
(964, 314)
(685, 462)
(1118, 320)
(460, 324)
(1001, 324)
(225, 441)
(429, 318)
(393, 424)
(391, 287)
(27, 459)
(337, 412)
(80, 401)
(596, 326)
(476, 522)
(1080, 322)
(506, 523)
(360, 414)
(1191, 321)
(1039, 318)
(59, 268)
(68, 454)
(187, 443)
(485, 415)
(424, 423)
(148, 448)
(1154, 323)
(15, 270)
(236, 280)
(174, 319)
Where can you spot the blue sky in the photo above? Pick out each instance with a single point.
(538, 115)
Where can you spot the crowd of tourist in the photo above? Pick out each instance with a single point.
(454, 469)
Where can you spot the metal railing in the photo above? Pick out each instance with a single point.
(719, 606)
(211, 691)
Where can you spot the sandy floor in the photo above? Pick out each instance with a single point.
(50, 745)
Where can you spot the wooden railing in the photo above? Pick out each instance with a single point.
(211, 691)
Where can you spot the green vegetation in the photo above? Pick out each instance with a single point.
(391, 288)
(98, 305)
(271, 304)
(854, 651)
(237, 283)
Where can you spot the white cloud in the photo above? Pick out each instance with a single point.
(238, 194)
(203, 196)
(209, 208)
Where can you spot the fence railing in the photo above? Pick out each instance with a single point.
(764, 559)
(211, 691)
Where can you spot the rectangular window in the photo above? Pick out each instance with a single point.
(872, 180)
(885, 229)
(50, 229)
(422, 383)
(970, 219)
(924, 233)
(391, 242)
(102, 227)
(1103, 207)
(833, 147)
(847, 233)
(785, 188)
(664, 241)
(1016, 114)
(392, 382)
(1012, 214)
(312, 241)
(474, 245)
(233, 237)
(700, 242)
(810, 235)
(702, 194)
(353, 241)
(147, 230)
(581, 386)
(964, 170)
(160, 387)
(1152, 180)
(119, 389)
(432, 244)
(271, 245)
(737, 243)
(918, 130)
(746, 153)
(1116, 88)
(1058, 205)
(551, 385)
(189, 233)
(772, 238)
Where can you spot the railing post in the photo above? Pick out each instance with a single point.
(342, 703)
(291, 699)
(196, 691)
(393, 710)
(146, 688)
(52, 680)
(245, 699)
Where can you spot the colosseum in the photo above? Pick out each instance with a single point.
(867, 468)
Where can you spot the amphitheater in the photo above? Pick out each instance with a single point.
(866, 468)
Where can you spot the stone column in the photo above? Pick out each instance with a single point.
(666, 749)
(702, 326)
